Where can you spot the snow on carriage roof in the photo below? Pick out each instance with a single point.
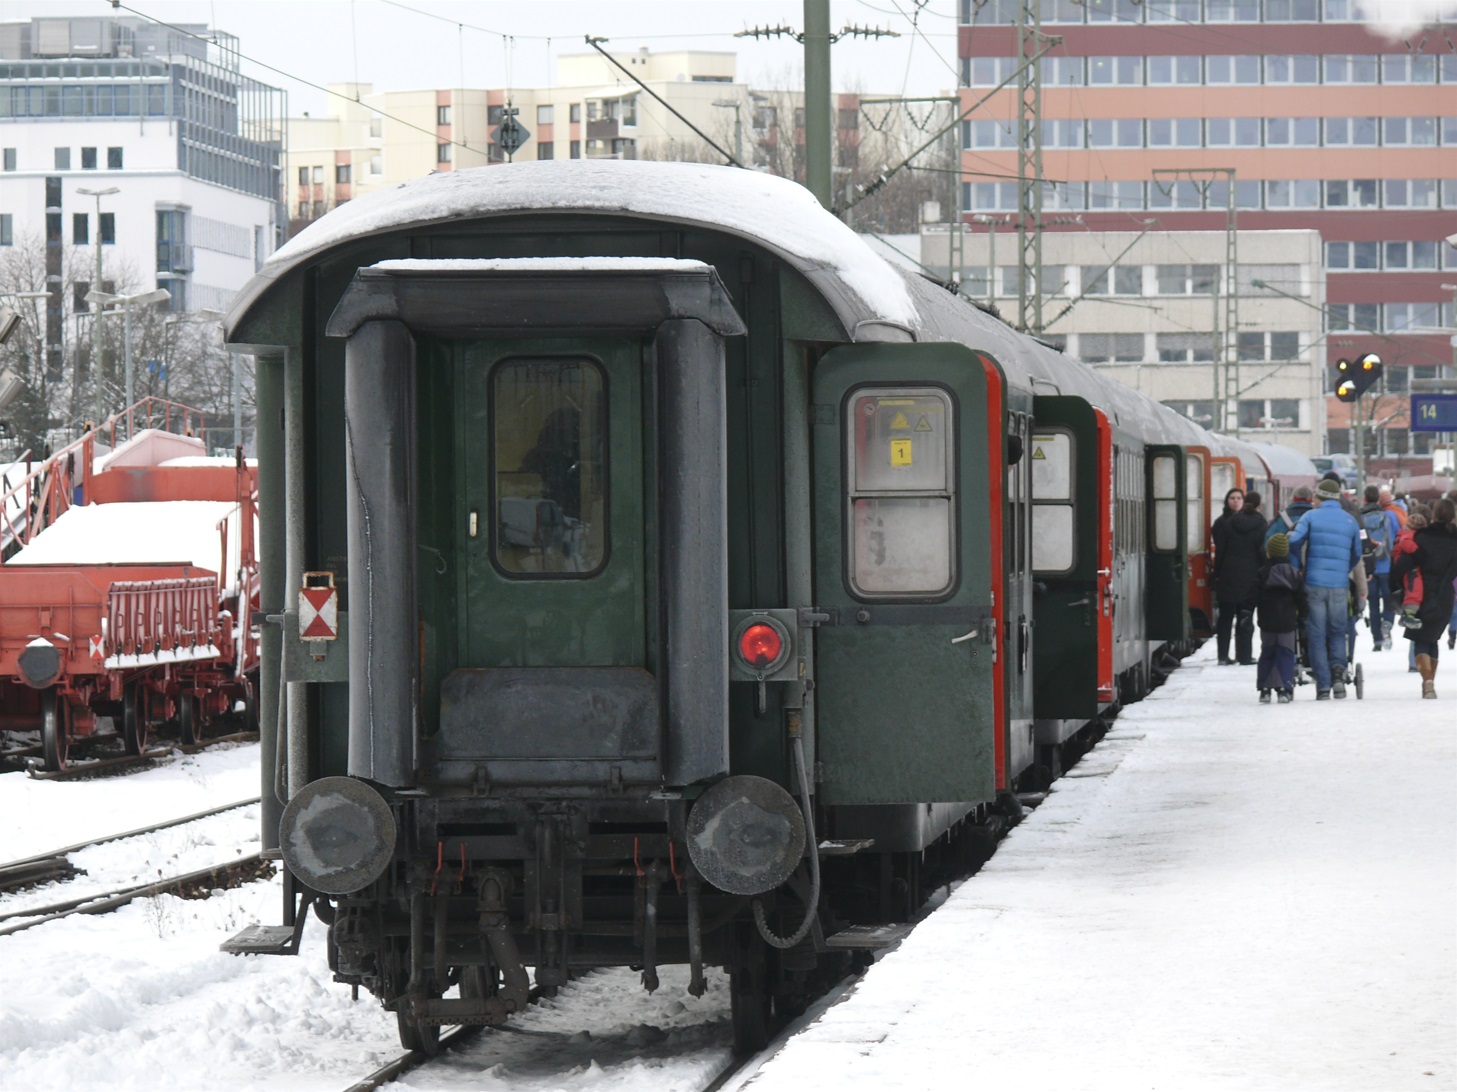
(543, 265)
(780, 214)
(146, 532)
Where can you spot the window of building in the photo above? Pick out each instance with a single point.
(9, 159)
(1163, 194)
(88, 159)
(1114, 11)
(63, 159)
(1223, 68)
(1174, 11)
(106, 228)
(545, 114)
(1300, 68)
(1232, 11)
(1414, 131)
(847, 119)
(303, 176)
(1233, 132)
(1175, 133)
(1185, 348)
(1408, 68)
(1122, 71)
(545, 150)
(1292, 11)
(53, 229)
(7, 229)
(1115, 132)
(1121, 280)
(575, 149)
(442, 115)
(1404, 316)
(1058, 71)
(318, 175)
(79, 291)
(574, 112)
(1297, 193)
(376, 164)
(1269, 413)
(341, 174)
(549, 457)
(1186, 280)
(1300, 132)
(442, 152)
(80, 229)
(1110, 348)
(376, 127)
(1104, 195)
(1351, 68)
(1175, 70)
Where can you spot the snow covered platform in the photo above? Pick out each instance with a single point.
(1222, 895)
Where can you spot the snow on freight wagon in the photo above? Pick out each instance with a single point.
(127, 592)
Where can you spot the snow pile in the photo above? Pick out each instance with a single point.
(141, 532)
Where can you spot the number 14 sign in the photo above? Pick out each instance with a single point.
(1434, 413)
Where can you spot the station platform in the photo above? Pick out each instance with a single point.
(1221, 895)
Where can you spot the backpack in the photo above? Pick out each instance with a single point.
(1376, 542)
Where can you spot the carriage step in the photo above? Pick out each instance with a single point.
(843, 848)
(873, 937)
(263, 940)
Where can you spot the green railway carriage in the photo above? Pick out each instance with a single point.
(686, 561)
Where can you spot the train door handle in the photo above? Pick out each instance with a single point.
(964, 637)
(1105, 572)
(1083, 602)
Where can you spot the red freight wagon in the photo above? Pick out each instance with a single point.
(128, 589)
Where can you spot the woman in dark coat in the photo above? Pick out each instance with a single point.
(1435, 557)
(1237, 562)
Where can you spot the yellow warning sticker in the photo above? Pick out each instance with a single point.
(899, 421)
(1037, 454)
(900, 453)
(923, 425)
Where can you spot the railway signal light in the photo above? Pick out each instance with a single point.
(1355, 377)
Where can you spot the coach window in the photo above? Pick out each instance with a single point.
(901, 496)
(1194, 503)
(1165, 504)
(1052, 499)
(549, 426)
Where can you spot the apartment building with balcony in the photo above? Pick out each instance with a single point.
(1327, 125)
(184, 150)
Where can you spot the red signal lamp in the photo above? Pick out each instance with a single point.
(761, 645)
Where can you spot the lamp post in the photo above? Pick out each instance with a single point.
(126, 303)
(96, 323)
(737, 107)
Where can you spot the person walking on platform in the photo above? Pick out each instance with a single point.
(1390, 504)
(1236, 578)
(1281, 602)
(1381, 527)
(1219, 536)
(1326, 546)
(1435, 557)
(1301, 502)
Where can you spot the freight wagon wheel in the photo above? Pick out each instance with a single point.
(189, 724)
(55, 728)
(136, 718)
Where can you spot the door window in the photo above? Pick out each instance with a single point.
(1052, 495)
(1194, 492)
(1165, 504)
(901, 497)
(549, 427)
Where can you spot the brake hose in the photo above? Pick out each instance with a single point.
(814, 865)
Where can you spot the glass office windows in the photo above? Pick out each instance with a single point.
(1395, 255)
(1110, 348)
(1364, 193)
(1352, 132)
(1114, 11)
(1292, 11)
(1223, 69)
(1062, 133)
(1164, 194)
(1351, 68)
(1115, 132)
(1115, 195)
(1423, 254)
(1246, 194)
(1337, 256)
(1284, 345)
(1297, 132)
(1064, 71)
(1408, 68)
(1175, 133)
(1121, 71)
(990, 71)
(1173, 11)
(1185, 348)
(1061, 11)
(1301, 68)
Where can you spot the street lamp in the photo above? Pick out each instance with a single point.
(737, 107)
(96, 324)
(126, 303)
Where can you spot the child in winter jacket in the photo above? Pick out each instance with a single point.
(1280, 604)
(1411, 590)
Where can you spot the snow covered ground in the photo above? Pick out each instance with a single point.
(1223, 895)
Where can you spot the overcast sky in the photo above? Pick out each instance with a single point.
(450, 43)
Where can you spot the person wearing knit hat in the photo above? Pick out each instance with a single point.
(1325, 547)
(1278, 605)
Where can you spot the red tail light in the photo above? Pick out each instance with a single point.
(760, 645)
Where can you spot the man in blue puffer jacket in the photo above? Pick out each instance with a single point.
(1326, 545)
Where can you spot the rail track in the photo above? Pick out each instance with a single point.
(113, 764)
(56, 865)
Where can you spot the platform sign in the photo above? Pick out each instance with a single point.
(318, 608)
(1434, 413)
